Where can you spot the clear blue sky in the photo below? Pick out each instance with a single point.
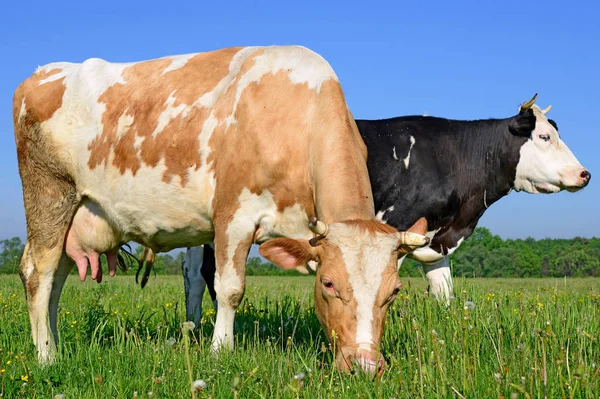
(455, 59)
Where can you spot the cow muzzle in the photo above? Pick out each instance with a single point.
(369, 361)
(576, 178)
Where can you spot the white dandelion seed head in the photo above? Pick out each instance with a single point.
(170, 342)
(299, 376)
(198, 385)
(469, 305)
(188, 325)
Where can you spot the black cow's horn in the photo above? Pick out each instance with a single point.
(527, 105)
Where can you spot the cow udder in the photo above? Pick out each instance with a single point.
(89, 236)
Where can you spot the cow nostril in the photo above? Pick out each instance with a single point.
(585, 175)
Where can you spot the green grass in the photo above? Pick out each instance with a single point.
(524, 336)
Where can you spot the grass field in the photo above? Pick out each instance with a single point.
(500, 338)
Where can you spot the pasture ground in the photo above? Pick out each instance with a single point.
(522, 338)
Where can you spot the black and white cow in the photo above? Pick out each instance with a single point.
(450, 171)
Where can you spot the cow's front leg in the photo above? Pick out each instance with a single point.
(440, 280)
(232, 244)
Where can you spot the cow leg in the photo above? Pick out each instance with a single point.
(208, 272)
(64, 268)
(194, 284)
(38, 270)
(51, 199)
(440, 280)
(232, 244)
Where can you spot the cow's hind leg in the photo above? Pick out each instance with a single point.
(440, 280)
(232, 244)
(64, 268)
(43, 276)
(50, 199)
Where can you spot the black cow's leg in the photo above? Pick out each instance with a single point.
(208, 272)
(440, 280)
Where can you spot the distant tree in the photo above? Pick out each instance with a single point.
(256, 267)
(576, 264)
(10, 257)
(481, 255)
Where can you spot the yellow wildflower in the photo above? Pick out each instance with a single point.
(24, 378)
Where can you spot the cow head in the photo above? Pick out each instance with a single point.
(546, 164)
(356, 281)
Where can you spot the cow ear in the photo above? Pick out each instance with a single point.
(419, 227)
(288, 253)
(522, 124)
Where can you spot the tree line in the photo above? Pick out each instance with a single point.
(481, 255)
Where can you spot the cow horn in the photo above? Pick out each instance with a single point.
(527, 105)
(318, 227)
(545, 111)
(412, 239)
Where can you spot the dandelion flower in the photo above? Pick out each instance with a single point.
(469, 305)
(59, 396)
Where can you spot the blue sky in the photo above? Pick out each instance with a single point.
(462, 60)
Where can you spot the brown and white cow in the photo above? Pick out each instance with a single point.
(237, 146)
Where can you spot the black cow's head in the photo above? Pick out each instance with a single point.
(546, 164)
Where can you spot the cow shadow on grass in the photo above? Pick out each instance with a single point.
(278, 322)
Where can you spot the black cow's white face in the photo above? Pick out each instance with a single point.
(546, 164)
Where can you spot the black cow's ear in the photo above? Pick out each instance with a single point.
(523, 124)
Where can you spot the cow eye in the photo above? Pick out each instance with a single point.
(328, 286)
(394, 294)
(545, 137)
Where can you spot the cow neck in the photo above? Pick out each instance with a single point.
(340, 178)
(493, 156)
